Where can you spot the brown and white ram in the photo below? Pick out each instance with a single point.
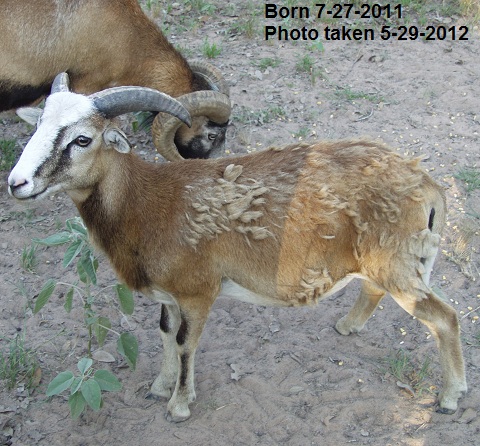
(286, 227)
(108, 43)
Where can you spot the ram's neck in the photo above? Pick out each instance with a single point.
(116, 211)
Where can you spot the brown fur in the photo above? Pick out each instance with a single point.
(83, 35)
(284, 227)
(325, 211)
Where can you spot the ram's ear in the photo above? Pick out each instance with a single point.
(117, 139)
(30, 114)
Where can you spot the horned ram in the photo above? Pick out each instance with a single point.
(108, 43)
(285, 226)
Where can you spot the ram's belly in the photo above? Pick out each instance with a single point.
(308, 292)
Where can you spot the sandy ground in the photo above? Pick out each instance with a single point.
(267, 376)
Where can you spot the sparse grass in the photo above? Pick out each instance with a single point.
(302, 133)
(18, 364)
(471, 177)
(250, 27)
(268, 62)
(305, 64)
(210, 50)
(154, 7)
(470, 9)
(401, 367)
(8, 153)
(29, 260)
(351, 95)
(247, 26)
(259, 117)
(25, 218)
(202, 6)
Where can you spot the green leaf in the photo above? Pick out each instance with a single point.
(76, 225)
(81, 272)
(125, 296)
(77, 404)
(101, 328)
(59, 238)
(84, 364)
(60, 383)
(92, 320)
(88, 264)
(107, 381)
(77, 382)
(127, 346)
(72, 251)
(68, 301)
(92, 393)
(44, 295)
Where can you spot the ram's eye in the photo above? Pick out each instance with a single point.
(212, 136)
(83, 141)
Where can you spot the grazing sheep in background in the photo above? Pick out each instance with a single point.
(286, 227)
(108, 43)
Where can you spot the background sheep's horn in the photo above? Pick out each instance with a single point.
(119, 100)
(61, 83)
(211, 75)
(215, 106)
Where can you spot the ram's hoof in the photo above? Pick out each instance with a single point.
(178, 418)
(445, 410)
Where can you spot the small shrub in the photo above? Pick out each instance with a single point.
(86, 388)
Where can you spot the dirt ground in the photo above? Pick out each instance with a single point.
(269, 376)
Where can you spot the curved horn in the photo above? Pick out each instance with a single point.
(61, 83)
(215, 106)
(211, 75)
(119, 100)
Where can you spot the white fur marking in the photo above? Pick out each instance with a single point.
(61, 110)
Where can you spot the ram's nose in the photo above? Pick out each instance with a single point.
(15, 184)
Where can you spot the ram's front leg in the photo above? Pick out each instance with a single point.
(164, 385)
(193, 313)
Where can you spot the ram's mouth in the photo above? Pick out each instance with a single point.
(32, 197)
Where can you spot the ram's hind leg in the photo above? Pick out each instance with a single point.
(366, 303)
(164, 385)
(441, 319)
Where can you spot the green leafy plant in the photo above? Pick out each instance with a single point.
(86, 388)
(75, 235)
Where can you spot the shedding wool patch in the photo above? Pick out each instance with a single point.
(227, 205)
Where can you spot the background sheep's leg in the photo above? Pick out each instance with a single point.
(194, 313)
(164, 385)
(369, 298)
(441, 319)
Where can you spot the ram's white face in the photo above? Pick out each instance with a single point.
(57, 156)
